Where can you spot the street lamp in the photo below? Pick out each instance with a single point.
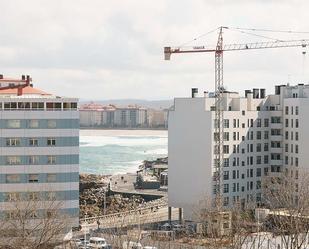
(85, 232)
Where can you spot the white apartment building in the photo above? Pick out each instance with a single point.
(157, 118)
(39, 150)
(131, 116)
(263, 136)
(91, 118)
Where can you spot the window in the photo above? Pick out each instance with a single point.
(259, 135)
(13, 123)
(33, 142)
(266, 134)
(265, 146)
(33, 123)
(225, 188)
(296, 161)
(12, 142)
(258, 147)
(12, 197)
(12, 178)
(286, 110)
(266, 159)
(216, 136)
(51, 141)
(51, 177)
(258, 172)
(296, 110)
(226, 201)
(286, 147)
(259, 122)
(226, 123)
(51, 159)
(33, 159)
(296, 123)
(286, 135)
(286, 122)
(23, 105)
(234, 136)
(258, 184)
(33, 178)
(296, 135)
(234, 148)
(234, 123)
(226, 162)
(226, 136)
(226, 149)
(37, 105)
(266, 122)
(243, 113)
(33, 196)
(51, 123)
(51, 196)
(286, 160)
(13, 160)
(296, 148)
(258, 160)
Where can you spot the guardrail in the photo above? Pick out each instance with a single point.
(125, 213)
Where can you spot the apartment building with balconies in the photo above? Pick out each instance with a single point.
(264, 136)
(39, 152)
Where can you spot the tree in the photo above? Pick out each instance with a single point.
(287, 197)
(32, 222)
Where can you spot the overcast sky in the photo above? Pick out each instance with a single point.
(100, 49)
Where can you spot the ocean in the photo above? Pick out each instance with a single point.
(119, 151)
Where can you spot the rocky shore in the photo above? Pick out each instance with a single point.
(93, 191)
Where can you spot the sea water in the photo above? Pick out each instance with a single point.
(119, 151)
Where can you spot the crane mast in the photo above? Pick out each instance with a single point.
(219, 90)
(219, 119)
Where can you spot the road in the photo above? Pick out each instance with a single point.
(121, 220)
(124, 183)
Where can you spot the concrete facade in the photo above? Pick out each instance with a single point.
(39, 151)
(113, 117)
(263, 136)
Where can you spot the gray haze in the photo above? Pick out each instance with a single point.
(99, 49)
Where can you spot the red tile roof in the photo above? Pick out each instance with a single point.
(25, 90)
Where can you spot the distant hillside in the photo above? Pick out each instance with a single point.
(156, 104)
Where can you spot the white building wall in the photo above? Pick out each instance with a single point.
(256, 141)
(190, 169)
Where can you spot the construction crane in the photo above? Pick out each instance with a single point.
(219, 88)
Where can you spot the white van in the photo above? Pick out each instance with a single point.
(97, 242)
(131, 245)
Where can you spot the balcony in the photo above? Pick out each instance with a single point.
(277, 150)
(276, 162)
(276, 137)
(275, 174)
(276, 125)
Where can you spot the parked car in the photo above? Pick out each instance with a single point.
(97, 243)
(166, 227)
(131, 245)
(84, 244)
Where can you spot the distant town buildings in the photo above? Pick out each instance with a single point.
(111, 116)
(39, 137)
(265, 137)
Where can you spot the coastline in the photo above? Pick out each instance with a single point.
(123, 128)
(97, 197)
